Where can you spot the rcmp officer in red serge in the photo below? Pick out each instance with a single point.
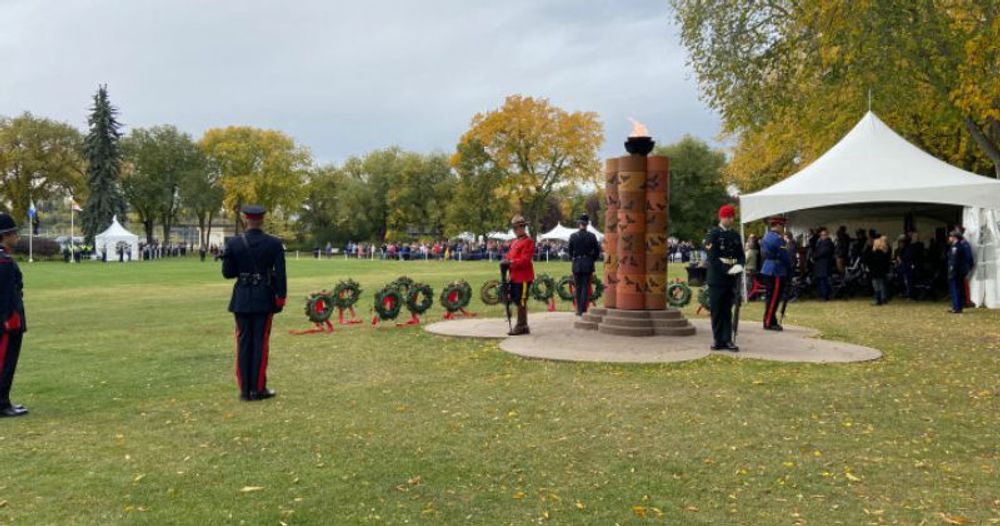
(522, 272)
(257, 262)
(725, 265)
(776, 270)
(12, 321)
(585, 250)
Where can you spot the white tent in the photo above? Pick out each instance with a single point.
(873, 177)
(596, 232)
(107, 242)
(558, 233)
(872, 164)
(501, 236)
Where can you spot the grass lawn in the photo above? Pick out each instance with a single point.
(128, 373)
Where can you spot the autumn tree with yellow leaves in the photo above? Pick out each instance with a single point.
(791, 77)
(537, 147)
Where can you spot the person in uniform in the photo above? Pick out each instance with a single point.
(725, 266)
(960, 264)
(12, 320)
(584, 249)
(776, 270)
(257, 262)
(522, 272)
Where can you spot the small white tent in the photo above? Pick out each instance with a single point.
(107, 242)
(558, 233)
(872, 177)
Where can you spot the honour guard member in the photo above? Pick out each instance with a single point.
(584, 249)
(776, 270)
(522, 272)
(257, 262)
(12, 321)
(725, 264)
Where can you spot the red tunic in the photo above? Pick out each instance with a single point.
(520, 254)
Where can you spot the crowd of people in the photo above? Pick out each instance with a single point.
(444, 250)
(833, 264)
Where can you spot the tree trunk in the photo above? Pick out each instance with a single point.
(147, 225)
(202, 236)
(208, 229)
(989, 147)
(166, 231)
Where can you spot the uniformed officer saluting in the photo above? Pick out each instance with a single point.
(12, 321)
(775, 271)
(725, 265)
(257, 261)
(585, 250)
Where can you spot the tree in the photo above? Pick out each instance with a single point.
(790, 78)
(157, 161)
(39, 160)
(538, 147)
(477, 204)
(697, 186)
(417, 200)
(320, 215)
(101, 150)
(256, 166)
(201, 195)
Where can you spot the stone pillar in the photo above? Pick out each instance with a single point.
(611, 233)
(657, 214)
(631, 289)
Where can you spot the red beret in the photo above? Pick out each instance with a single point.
(727, 211)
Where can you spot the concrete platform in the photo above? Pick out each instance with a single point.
(553, 337)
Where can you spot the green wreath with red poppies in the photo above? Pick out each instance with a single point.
(319, 306)
(420, 298)
(388, 303)
(456, 295)
(346, 294)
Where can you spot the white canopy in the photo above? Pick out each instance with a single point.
(562, 233)
(872, 164)
(501, 236)
(559, 233)
(107, 242)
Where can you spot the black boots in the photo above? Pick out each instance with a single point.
(522, 323)
(259, 395)
(11, 410)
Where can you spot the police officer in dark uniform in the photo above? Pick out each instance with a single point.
(257, 261)
(584, 249)
(725, 266)
(776, 271)
(12, 321)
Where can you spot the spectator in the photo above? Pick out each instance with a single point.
(823, 261)
(877, 260)
(960, 265)
(843, 249)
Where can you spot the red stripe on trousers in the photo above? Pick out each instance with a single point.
(239, 379)
(261, 376)
(4, 343)
(774, 300)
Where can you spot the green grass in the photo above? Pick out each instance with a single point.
(128, 372)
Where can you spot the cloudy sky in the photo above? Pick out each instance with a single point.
(345, 77)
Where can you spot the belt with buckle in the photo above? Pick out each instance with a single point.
(728, 261)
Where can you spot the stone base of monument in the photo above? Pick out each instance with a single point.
(668, 322)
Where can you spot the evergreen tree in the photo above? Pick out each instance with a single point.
(101, 149)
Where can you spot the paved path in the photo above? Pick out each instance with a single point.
(554, 338)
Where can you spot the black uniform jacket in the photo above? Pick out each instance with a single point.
(11, 290)
(585, 250)
(723, 244)
(257, 261)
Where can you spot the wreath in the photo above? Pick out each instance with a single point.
(490, 292)
(403, 285)
(456, 295)
(598, 289)
(543, 288)
(346, 294)
(679, 294)
(703, 298)
(420, 298)
(388, 302)
(319, 306)
(562, 288)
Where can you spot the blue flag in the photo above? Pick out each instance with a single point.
(31, 210)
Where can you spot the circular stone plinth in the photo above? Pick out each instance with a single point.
(553, 337)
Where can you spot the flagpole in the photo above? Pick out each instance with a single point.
(72, 248)
(31, 233)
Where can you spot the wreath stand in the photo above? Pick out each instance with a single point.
(322, 318)
(354, 316)
(453, 314)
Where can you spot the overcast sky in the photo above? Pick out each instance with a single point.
(347, 77)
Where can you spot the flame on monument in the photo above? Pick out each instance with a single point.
(638, 129)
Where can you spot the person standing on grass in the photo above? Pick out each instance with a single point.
(725, 268)
(878, 260)
(585, 251)
(960, 265)
(522, 272)
(776, 270)
(12, 320)
(823, 255)
(257, 261)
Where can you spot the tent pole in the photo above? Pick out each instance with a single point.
(743, 275)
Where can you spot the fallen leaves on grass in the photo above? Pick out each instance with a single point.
(251, 489)
(953, 519)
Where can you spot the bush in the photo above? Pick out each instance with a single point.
(42, 247)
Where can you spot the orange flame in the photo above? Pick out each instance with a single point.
(638, 129)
